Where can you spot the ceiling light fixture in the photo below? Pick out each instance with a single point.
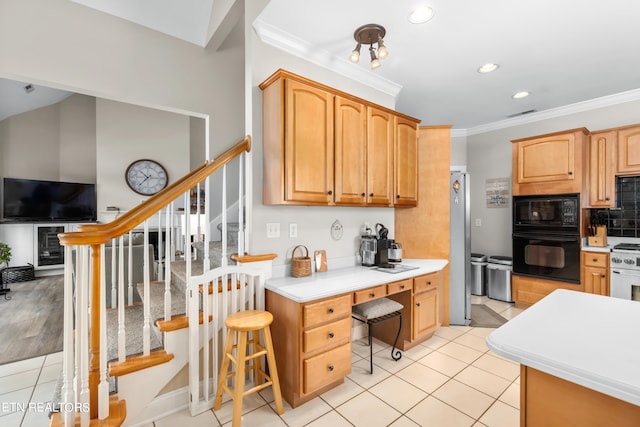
(370, 34)
(522, 94)
(487, 68)
(421, 15)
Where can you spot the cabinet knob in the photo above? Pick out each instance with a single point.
(603, 276)
(401, 286)
(371, 195)
(372, 295)
(363, 194)
(429, 283)
(397, 196)
(330, 368)
(331, 335)
(330, 310)
(595, 259)
(417, 304)
(607, 199)
(329, 192)
(570, 173)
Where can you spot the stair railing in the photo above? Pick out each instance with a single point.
(85, 389)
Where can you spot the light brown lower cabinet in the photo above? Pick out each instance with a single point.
(312, 340)
(595, 272)
(549, 401)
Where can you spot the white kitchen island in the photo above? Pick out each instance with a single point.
(580, 360)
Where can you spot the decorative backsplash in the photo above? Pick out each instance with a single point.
(624, 220)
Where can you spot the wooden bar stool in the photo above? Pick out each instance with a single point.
(241, 323)
(376, 311)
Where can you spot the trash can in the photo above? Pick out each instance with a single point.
(499, 277)
(478, 274)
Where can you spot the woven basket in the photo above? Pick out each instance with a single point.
(300, 265)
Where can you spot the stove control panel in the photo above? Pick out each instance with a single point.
(625, 260)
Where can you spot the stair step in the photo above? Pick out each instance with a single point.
(137, 363)
(178, 322)
(117, 414)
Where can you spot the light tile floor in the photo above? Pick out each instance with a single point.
(453, 379)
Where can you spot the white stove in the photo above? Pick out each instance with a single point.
(625, 271)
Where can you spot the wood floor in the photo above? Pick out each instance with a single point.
(31, 321)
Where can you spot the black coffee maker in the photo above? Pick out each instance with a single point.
(383, 245)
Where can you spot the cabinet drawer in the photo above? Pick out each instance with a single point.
(327, 335)
(426, 282)
(326, 311)
(369, 294)
(595, 259)
(395, 287)
(326, 368)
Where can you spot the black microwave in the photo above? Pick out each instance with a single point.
(552, 213)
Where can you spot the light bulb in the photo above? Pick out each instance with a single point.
(355, 55)
(375, 64)
(383, 52)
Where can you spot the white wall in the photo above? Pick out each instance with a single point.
(489, 156)
(125, 133)
(77, 154)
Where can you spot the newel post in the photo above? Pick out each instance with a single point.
(94, 334)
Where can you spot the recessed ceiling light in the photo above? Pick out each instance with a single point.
(421, 15)
(487, 68)
(522, 94)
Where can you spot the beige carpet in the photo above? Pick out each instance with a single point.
(484, 317)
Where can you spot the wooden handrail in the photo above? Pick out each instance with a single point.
(95, 234)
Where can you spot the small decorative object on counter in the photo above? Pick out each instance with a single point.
(300, 265)
(320, 257)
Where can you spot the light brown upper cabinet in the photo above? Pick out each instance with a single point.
(326, 147)
(406, 162)
(602, 159)
(629, 150)
(350, 152)
(549, 164)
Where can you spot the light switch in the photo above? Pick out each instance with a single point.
(478, 222)
(273, 230)
(293, 231)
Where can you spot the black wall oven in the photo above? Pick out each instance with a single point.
(546, 237)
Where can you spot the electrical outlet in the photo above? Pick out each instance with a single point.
(293, 231)
(478, 222)
(273, 230)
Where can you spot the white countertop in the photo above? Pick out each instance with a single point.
(587, 339)
(348, 279)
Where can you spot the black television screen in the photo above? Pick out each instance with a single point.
(35, 200)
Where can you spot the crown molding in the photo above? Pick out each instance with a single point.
(552, 113)
(301, 48)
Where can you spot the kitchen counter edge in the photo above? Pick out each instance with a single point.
(344, 280)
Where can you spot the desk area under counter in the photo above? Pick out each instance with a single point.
(311, 329)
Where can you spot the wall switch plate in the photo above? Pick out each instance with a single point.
(273, 230)
(478, 222)
(293, 230)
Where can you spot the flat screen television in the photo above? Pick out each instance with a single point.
(36, 200)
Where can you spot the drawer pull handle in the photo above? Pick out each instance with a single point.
(330, 310)
(331, 368)
(372, 295)
(428, 283)
(401, 286)
(595, 260)
(417, 304)
(331, 335)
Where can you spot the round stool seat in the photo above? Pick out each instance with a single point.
(249, 320)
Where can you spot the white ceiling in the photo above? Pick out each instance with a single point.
(563, 52)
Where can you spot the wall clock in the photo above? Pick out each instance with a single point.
(146, 177)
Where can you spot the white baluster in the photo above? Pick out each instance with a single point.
(240, 236)
(68, 365)
(248, 196)
(114, 276)
(160, 248)
(122, 332)
(103, 386)
(146, 328)
(224, 216)
(130, 270)
(166, 266)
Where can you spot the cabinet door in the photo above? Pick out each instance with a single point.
(406, 162)
(380, 127)
(596, 281)
(629, 150)
(350, 149)
(425, 313)
(602, 169)
(546, 159)
(308, 144)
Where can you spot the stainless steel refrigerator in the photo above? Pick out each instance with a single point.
(460, 256)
